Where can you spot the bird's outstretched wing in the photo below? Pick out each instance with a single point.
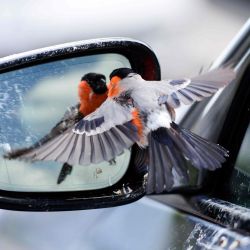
(100, 136)
(70, 117)
(187, 91)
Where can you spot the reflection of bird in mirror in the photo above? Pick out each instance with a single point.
(92, 92)
(142, 112)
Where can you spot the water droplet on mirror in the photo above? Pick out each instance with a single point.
(223, 241)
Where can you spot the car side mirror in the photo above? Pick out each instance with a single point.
(37, 87)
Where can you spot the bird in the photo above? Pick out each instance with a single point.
(142, 112)
(92, 92)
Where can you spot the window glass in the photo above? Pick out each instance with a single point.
(240, 181)
(32, 101)
(243, 159)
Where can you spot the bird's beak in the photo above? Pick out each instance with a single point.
(114, 81)
(113, 86)
(83, 84)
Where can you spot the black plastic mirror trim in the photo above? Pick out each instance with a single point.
(131, 186)
(140, 55)
(61, 202)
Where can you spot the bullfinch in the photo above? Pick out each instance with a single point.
(141, 112)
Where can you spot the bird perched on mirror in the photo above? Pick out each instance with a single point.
(142, 112)
(92, 92)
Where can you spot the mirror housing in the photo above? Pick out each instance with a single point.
(131, 186)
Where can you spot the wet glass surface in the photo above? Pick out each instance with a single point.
(32, 101)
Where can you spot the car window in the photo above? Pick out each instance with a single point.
(240, 180)
(32, 102)
(243, 159)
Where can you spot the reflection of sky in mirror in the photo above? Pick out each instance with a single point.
(34, 100)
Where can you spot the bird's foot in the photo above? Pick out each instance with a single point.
(112, 162)
(65, 171)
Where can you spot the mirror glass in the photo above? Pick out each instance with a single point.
(32, 101)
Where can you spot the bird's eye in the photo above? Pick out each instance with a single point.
(131, 75)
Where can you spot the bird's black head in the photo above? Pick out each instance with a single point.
(121, 73)
(96, 81)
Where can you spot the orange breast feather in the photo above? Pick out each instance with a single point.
(114, 87)
(88, 99)
(137, 122)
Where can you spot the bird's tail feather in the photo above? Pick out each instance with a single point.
(170, 149)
